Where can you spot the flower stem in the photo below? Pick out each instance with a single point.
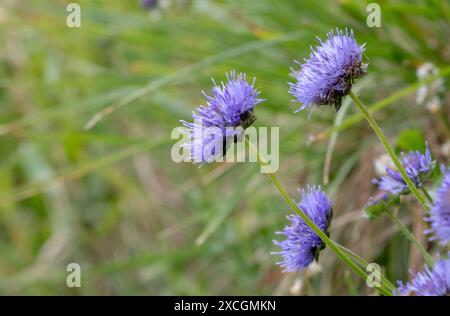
(331, 244)
(427, 195)
(363, 263)
(389, 149)
(428, 259)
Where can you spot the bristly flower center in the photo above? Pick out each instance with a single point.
(247, 118)
(334, 96)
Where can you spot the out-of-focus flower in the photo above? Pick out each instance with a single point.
(428, 95)
(297, 287)
(439, 217)
(330, 71)
(4, 14)
(418, 167)
(430, 282)
(302, 246)
(445, 149)
(229, 111)
(149, 4)
(381, 163)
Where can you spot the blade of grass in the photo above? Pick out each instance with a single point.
(188, 73)
(33, 189)
(72, 107)
(227, 206)
(334, 136)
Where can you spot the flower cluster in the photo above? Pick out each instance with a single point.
(330, 71)
(430, 282)
(324, 79)
(302, 246)
(418, 167)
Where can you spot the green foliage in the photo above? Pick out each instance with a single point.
(411, 139)
(376, 210)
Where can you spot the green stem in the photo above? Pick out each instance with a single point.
(427, 195)
(389, 149)
(363, 263)
(332, 245)
(428, 259)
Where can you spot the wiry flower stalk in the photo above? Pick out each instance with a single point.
(387, 146)
(426, 256)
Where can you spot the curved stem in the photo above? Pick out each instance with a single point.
(427, 195)
(428, 259)
(362, 262)
(389, 149)
(332, 245)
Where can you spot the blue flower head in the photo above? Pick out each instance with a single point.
(439, 217)
(149, 4)
(228, 111)
(418, 167)
(327, 76)
(430, 282)
(302, 246)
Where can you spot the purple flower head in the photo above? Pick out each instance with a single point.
(430, 282)
(228, 111)
(149, 4)
(302, 246)
(440, 212)
(330, 71)
(418, 167)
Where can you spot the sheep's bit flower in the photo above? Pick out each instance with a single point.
(329, 73)
(418, 167)
(227, 113)
(302, 245)
(430, 282)
(440, 211)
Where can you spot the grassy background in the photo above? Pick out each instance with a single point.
(111, 199)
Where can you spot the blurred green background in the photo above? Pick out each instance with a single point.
(85, 121)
